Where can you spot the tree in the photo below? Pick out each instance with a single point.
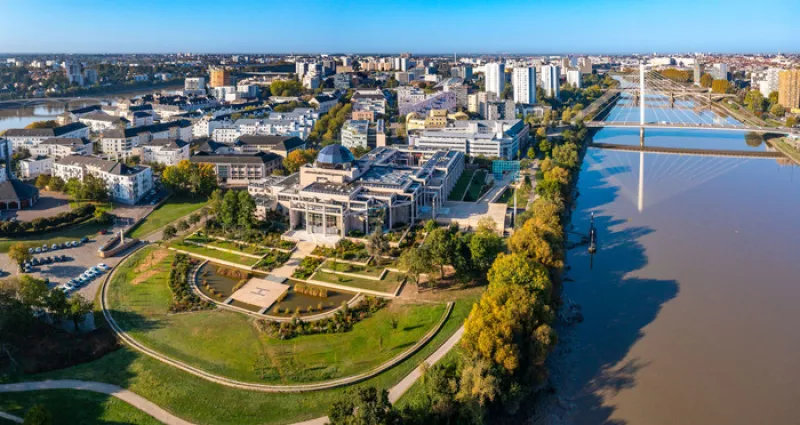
(377, 245)
(42, 181)
(478, 383)
(706, 80)
(719, 86)
(246, 210)
(169, 232)
(791, 121)
(42, 124)
(778, 110)
(38, 415)
(102, 217)
(190, 178)
(539, 242)
(74, 188)
(228, 212)
(183, 225)
(484, 246)
(754, 101)
(56, 184)
(297, 158)
(19, 253)
(441, 248)
(57, 304)
(363, 406)
(32, 292)
(416, 262)
(531, 152)
(516, 269)
(215, 201)
(79, 307)
(566, 155)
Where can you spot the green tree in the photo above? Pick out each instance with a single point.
(778, 110)
(215, 201)
(363, 406)
(566, 155)
(229, 210)
(57, 304)
(19, 253)
(754, 101)
(246, 210)
(38, 415)
(441, 245)
(79, 307)
(791, 121)
(169, 232)
(42, 181)
(484, 246)
(32, 292)
(183, 225)
(56, 184)
(415, 262)
(377, 245)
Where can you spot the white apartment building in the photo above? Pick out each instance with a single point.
(493, 139)
(165, 151)
(32, 167)
(194, 86)
(574, 78)
(363, 134)
(59, 147)
(720, 71)
(125, 184)
(524, 82)
(119, 143)
(551, 75)
(27, 138)
(99, 121)
(495, 78)
(770, 82)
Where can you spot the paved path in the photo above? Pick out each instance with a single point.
(162, 415)
(11, 418)
(127, 396)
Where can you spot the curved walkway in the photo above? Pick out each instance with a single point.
(162, 415)
(122, 335)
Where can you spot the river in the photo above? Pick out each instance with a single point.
(690, 304)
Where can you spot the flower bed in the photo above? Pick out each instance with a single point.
(307, 267)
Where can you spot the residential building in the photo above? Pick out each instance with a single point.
(27, 138)
(493, 139)
(59, 147)
(30, 168)
(412, 99)
(219, 77)
(324, 102)
(500, 110)
(495, 78)
(124, 183)
(720, 71)
(524, 83)
(363, 134)
(574, 78)
(194, 86)
(236, 169)
(118, 143)
(698, 73)
(373, 100)
(342, 81)
(99, 121)
(771, 82)
(789, 89)
(585, 65)
(551, 80)
(164, 151)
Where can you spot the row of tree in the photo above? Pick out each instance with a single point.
(326, 129)
(24, 298)
(190, 178)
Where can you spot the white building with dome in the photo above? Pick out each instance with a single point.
(339, 195)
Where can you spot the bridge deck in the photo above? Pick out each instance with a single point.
(688, 151)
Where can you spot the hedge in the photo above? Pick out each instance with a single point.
(47, 224)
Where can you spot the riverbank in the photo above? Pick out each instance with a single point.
(785, 148)
(10, 103)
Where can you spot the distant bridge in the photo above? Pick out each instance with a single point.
(689, 151)
(44, 100)
(695, 126)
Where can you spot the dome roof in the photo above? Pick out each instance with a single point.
(335, 154)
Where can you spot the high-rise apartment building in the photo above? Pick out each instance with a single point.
(220, 77)
(574, 78)
(789, 88)
(524, 82)
(551, 75)
(698, 72)
(495, 78)
(770, 83)
(720, 71)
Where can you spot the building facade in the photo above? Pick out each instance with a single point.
(524, 83)
(495, 78)
(125, 184)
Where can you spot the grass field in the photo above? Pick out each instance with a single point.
(199, 401)
(246, 248)
(388, 284)
(215, 253)
(477, 187)
(370, 270)
(176, 207)
(72, 407)
(227, 343)
(787, 150)
(88, 229)
(461, 185)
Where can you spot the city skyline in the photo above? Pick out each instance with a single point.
(614, 27)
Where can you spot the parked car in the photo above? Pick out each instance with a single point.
(103, 267)
(54, 247)
(44, 248)
(84, 239)
(38, 250)
(103, 231)
(30, 250)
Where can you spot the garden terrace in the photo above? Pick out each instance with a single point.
(344, 250)
(173, 209)
(231, 345)
(387, 286)
(214, 254)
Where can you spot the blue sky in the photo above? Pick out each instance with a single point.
(417, 26)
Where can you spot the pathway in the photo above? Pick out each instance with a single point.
(163, 416)
(127, 396)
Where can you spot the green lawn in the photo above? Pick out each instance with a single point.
(175, 208)
(200, 401)
(477, 187)
(388, 284)
(246, 248)
(88, 229)
(227, 343)
(461, 185)
(215, 253)
(72, 407)
(787, 150)
(370, 270)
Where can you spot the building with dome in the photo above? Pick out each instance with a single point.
(338, 195)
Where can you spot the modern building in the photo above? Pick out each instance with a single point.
(789, 89)
(501, 139)
(719, 71)
(363, 134)
(219, 77)
(500, 110)
(370, 100)
(27, 138)
(193, 86)
(99, 121)
(495, 78)
(119, 143)
(30, 168)
(124, 183)
(574, 78)
(698, 72)
(164, 151)
(236, 169)
(412, 99)
(59, 147)
(524, 83)
(324, 102)
(338, 195)
(551, 80)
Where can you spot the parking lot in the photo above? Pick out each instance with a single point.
(78, 260)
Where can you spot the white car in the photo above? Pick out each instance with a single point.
(103, 267)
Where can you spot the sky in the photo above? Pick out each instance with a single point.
(389, 26)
